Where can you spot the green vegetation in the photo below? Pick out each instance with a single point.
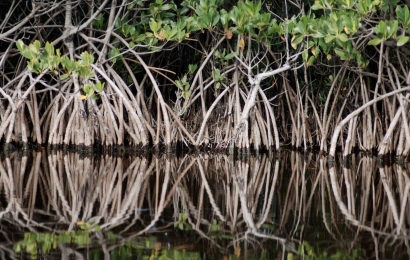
(306, 251)
(50, 59)
(34, 243)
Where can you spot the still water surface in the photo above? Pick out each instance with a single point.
(292, 206)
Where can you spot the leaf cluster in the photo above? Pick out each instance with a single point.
(49, 58)
(34, 242)
(182, 222)
(331, 28)
(307, 251)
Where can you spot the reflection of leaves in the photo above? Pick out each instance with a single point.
(164, 255)
(49, 241)
(88, 226)
(308, 252)
(215, 226)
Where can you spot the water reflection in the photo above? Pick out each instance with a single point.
(62, 205)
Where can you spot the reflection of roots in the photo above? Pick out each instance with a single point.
(240, 199)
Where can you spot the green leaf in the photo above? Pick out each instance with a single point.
(300, 28)
(296, 39)
(318, 34)
(130, 6)
(214, 227)
(341, 54)
(305, 55)
(85, 72)
(29, 54)
(375, 41)
(317, 5)
(315, 51)
(68, 64)
(118, 23)
(139, 37)
(35, 47)
(99, 86)
(165, 7)
(311, 60)
(215, 19)
(181, 35)
(192, 68)
(186, 94)
(224, 17)
(33, 65)
(179, 84)
(21, 46)
(342, 37)
(329, 38)
(99, 21)
(114, 54)
(88, 90)
(217, 75)
(49, 49)
(154, 25)
(392, 28)
(230, 56)
(403, 15)
(17, 248)
(125, 29)
(53, 62)
(64, 76)
(87, 58)
(402, 39)
(381, 30)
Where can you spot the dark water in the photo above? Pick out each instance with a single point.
(64, 206)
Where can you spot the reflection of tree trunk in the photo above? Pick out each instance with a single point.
(269, 186)
(161, 204)
(392, 202)
(326, 189)
(245, 193)
(404, 189)
(209, 191)
(56, 188)
(367, 186)
(33, 181)
(338, 197)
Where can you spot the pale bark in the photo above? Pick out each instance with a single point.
(339, 127)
